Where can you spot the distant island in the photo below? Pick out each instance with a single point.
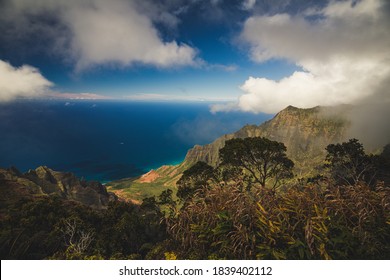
(294, 187)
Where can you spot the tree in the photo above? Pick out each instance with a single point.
(348, 163)
(382, 165)
(165, 200)
(262, 159)
(193, 179)
(77, 238)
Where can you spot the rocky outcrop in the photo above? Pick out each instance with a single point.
(44, 181)
(305, 133)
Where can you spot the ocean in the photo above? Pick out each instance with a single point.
(108, 140)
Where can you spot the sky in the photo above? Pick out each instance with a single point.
(248, 55)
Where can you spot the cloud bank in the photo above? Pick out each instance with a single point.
(342, 49)
(113, 31)
(25, 81)
(99, 32)
(77, 96)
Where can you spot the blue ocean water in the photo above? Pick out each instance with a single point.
(108, 140)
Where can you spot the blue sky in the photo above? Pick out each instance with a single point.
(256, 56)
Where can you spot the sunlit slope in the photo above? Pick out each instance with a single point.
(305, 133)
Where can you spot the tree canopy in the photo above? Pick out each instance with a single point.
(218, 217)
(348, 163)
(193, 179)
(263, 159)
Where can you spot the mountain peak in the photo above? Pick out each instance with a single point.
(305, 132)
(290, 108)
(293, 108)
(299, 111)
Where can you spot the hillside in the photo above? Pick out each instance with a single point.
(44, 182)
(46, 214)
(149, 184)
(305, 133)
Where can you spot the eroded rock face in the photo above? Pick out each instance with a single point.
(305, 133)
(44, 181)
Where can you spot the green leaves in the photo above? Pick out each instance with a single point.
(57, 229)
(260, 158)
(193, 180)
(348, 164)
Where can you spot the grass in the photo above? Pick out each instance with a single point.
(132, 189)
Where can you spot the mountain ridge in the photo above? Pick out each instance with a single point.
(305, 133)
(289, 124)
(44, 182)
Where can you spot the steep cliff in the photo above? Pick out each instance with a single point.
(305, 133)
(43, 181)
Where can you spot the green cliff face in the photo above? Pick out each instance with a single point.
(305, 133)
(45, 182)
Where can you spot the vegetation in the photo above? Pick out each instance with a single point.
(194, 179)
(258, 159)
(348, 163)
(134, 189)
(244, 208)
(341, 215)
(310, 222)
(53, 228)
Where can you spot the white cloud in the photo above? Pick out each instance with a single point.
(24, 81)
(224, 107)
(115, 32)
(100, 32)
(338, 81)
(343, 50)
(79, 96)
(248, 4)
